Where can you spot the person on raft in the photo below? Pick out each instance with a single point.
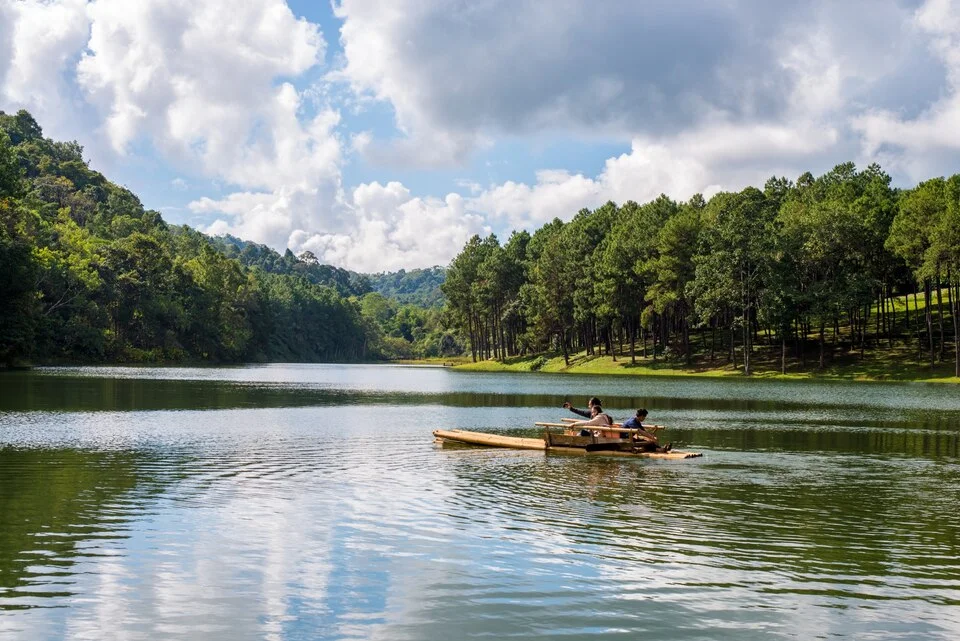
(598, 418)
(587, 413)
(644, 440)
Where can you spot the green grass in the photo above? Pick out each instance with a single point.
(883, 363)
(447, 361)
(583, 364)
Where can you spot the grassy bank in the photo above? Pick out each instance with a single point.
(888, 367)
(902, 357)
(444, 361)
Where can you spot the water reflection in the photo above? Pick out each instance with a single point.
(341, 519)
(58, 507)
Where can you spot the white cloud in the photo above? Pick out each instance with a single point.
(39, 41)
(200, 82)
(7, 22)
(714, 96)
(389, 228)
(918, 144)
(197, 79)
(703, 161)
(456, 78)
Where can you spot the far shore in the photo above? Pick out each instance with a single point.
(852, 369)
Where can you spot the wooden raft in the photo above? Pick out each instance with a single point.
(491, 440)
(516, 442)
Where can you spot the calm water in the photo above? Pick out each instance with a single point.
(309, 502)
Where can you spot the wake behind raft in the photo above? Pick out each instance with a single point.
(613, 441)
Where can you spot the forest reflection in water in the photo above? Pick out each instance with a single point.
(227, 506)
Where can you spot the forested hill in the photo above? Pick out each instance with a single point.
(88, 275)
(817, 269)
(420, 287)
(417, 287)
(251, 254)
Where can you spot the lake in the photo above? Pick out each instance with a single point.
(310, 502)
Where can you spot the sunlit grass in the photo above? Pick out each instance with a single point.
(903, 361)
(895, 366)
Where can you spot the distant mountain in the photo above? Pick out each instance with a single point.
(420, 287)
(251, 254)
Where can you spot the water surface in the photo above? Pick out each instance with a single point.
(309, 502)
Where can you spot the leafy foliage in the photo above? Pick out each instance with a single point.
(88, 274)
(782, 266)
(420, 287)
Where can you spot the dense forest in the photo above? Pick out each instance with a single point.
(807, 270)
(88, 275)
(836, 265)
(420, 287)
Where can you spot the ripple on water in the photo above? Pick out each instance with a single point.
(347, 522)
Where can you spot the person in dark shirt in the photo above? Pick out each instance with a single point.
(587, 413)
(646, 441)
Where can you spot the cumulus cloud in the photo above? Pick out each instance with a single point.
(621, 70)
(39, 42)
(921, 143)
(389, 229)
(709, 95)
(198, 80)
(7, 21)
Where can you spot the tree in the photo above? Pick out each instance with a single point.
(553, 279)
(18, 312)
(730, 262)
(673, 268)
(9, 169)
(921, 211)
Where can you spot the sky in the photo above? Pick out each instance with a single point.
(382, 134)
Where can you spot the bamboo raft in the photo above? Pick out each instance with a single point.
(519, 443)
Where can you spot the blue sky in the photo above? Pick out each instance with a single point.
(382, 135)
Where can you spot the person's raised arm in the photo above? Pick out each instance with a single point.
(583, 413)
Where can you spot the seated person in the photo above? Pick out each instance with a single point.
(597, 419)
(646, 441)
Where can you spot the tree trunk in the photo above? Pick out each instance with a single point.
(890, 324)
(505, 338)
(802, 339)
(733, 347)
(654, 332)
(863, 332)
(713, 340)
(563, 342)
(783, 350)
(906, 305)
(823, 346)
(881, 314)
(928, 300)
(473, 337)
(746, 338)
(940, 312)
(954, 309)
(916, 309)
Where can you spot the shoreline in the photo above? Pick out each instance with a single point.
(581, 364)
(605, 365)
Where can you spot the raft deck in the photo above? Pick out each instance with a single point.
(519, 443)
